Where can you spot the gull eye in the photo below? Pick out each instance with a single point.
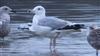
(39, 8)
(5, 8)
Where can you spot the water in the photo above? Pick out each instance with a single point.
(19, 43)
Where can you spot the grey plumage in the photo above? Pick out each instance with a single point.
(53, 22)
(94, 39)
(4, 29)
(4, 21)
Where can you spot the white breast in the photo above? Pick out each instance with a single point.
(40, 29)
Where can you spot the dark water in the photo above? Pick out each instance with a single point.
(19, 43)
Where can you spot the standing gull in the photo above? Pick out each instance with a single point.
(94, 38)
(42, 24)
(4, 21)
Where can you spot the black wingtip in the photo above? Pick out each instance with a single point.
(23, 28)
(75, 27)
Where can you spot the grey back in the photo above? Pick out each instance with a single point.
(52, 22)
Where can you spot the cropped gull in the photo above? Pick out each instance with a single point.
(94, 37)
(42, 24)
(4, 21)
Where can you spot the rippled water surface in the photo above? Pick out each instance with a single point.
(19, 43)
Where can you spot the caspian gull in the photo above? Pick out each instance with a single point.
(42, 24)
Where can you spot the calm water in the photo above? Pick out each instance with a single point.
(19, 43)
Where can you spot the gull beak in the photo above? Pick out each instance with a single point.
(30, 11)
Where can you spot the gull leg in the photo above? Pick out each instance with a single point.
(50, 43)
(96, 52)
(54, 40)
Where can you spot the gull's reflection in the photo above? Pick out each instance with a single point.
(4, 44)
(54, 52)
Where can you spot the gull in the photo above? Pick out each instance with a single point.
(4, 21)
(94, 37)
(42, 24)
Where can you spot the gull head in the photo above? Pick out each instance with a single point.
(93, 26)
(38, 10)
(6, 9)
